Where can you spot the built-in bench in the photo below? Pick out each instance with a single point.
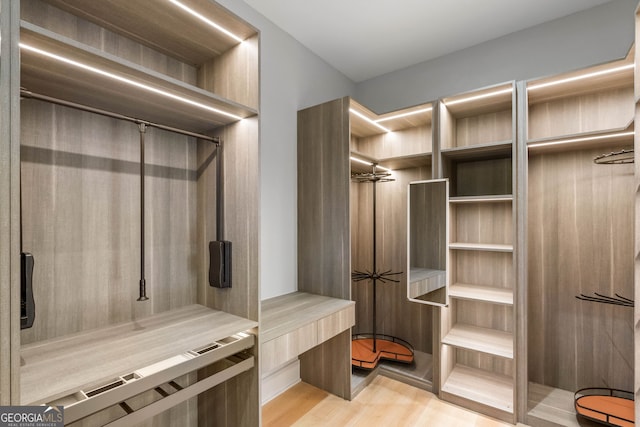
(291, 325)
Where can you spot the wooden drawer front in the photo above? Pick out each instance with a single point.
(330, 326)
(280, 350)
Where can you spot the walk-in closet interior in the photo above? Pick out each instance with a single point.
(134, 148)
(482, 245)
(496, 227)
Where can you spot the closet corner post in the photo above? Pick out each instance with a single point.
(436, 161)
(520, 251)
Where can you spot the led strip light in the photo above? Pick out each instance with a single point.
(368, 163)
(206, 20)
(362, 116)
(126, 80)
(587, 138)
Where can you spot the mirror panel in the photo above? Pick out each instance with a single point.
(427, 241)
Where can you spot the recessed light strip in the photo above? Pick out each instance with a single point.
(206, 20)
(126, 80)
(362, 116)
(582, 76)
(368, 163)
(410, 113)
(584, 139)
(481, 96)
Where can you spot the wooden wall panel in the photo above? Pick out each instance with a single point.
(396, 316)
(484, 129)
(483, 268)
(328, 365)
(612, 109)
(68, 25)
(404, 142)
(324, 265)
(239, 62)
(580, 240)
(484, 361)
(241, 206)
(235, 402)
(81, 222)
(482, 223)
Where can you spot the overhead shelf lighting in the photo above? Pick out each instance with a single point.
(481, 96)
(583, 139)
(581, 76)
(368, 163)
(410, 113)
(126, 80)
(362, 116)
(206, 20)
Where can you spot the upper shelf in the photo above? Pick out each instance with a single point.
(617, 74)
(365, 122)
(165, 26)
(69, 70)
(484, 101)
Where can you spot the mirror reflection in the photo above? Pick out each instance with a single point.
(427, 242)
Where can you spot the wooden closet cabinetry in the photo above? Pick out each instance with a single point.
(579, 217)
(99, 80)
(477, 143)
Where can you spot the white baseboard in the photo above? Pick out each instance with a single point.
(276, 382)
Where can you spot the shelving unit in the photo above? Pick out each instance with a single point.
(78, 176)
(477, 345)
(406, 148)
(572, 118)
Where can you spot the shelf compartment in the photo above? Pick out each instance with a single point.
(497, 148)
(481, 293)
(482, 223)
(481, 386)
(480, 247)
(479, 118)
(181, 35)
(201, 111)
(587, 101)
(490, 341)
(481, 176)
(119, 350)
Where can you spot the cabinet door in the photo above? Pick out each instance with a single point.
(427, 242)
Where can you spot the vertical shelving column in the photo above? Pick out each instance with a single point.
(477, 140)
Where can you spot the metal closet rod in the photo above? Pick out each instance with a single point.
(28, 94)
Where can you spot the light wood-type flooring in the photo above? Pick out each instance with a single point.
(385, 402)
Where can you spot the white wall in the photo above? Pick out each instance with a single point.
(596, 35)
(291, 78)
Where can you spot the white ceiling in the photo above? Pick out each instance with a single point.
(368, 38)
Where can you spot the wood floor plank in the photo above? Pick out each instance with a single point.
(384, 402)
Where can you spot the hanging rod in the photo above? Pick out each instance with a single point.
(28, 94)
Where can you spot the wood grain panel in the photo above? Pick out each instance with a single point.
(484, 315)
(240, 154)
(485, 362)
(328, 365)
(181, 35)
(601, 111)
(81, 219)
(66, 24)
(482, 223)
(580, 217)
(324, 265)
(284, 348)
(404, 142)
(241, 63)
(483, 129)
(396, 315)
(483, 268)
